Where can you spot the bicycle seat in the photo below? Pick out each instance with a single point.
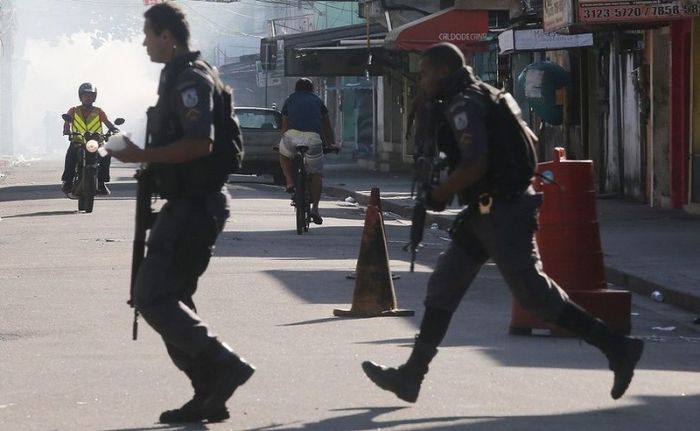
(302, 148)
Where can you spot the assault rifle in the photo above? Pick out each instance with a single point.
(144, 220)
(426, 176)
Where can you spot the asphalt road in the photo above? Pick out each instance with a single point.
(67, 361)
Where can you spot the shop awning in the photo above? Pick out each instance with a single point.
(467, 29)
(340, 51)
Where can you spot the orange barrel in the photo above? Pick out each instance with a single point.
(568, 235)
(569, 242)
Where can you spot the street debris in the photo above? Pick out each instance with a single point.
(657, 296)
(434, 226)
(664, 328)
(348, 202)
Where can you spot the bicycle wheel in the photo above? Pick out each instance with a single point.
(300, 196)
(307, 205)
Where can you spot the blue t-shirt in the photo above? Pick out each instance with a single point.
(304, 111)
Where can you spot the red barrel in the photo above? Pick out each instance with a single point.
(568, 235)
(569, 242)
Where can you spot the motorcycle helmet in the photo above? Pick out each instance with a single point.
(86, 87)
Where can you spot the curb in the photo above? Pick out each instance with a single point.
(443, 221)
(644, 287)
(614, 276)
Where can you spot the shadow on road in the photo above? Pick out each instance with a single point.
(653, 413)
(165, 427)
(360, 419)
(52, 191)
(41, 214)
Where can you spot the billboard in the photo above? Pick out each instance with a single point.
(637, 11)
(557, 15)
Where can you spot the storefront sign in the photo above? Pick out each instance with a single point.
(538, 40)
(467, 29)
(557, 14)
(626, 11)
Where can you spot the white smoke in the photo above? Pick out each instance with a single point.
(125, 78)
(61, 43)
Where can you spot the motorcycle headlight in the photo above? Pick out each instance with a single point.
(92, 145)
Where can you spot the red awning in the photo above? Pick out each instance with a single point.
(465, 28)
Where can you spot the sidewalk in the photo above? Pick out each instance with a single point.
(645, 249)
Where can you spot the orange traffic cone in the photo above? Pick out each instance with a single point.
(376, 201)
(374, 289)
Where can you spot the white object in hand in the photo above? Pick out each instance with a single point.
(115, 143)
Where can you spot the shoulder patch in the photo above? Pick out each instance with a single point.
(460, 121)
(189, 97)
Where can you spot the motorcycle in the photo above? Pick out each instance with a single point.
(85, 176)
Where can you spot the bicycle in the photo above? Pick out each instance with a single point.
(301, 197)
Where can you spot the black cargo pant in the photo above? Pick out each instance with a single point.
(72, 159)
(180, 245)
(506, 235)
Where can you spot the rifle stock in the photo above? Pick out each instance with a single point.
(417, 226)
(427, 175)
(143, 220)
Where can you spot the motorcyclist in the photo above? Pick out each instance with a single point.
(86, 117)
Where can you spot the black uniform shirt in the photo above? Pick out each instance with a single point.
(187, 93)
(184, 110)
(464, 114)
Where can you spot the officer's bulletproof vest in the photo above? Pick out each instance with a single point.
(511, 158)
(191, 178)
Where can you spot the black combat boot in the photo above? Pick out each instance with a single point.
(622, 352)
(405, 380)
(102, 189)
(67, 187)
(223, 373)
(191, 411)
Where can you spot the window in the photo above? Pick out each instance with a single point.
(259, 119)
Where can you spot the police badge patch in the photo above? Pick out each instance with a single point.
(460, 121)
(189, 98)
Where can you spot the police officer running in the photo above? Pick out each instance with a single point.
(181, 127)
(496, 224)
(86, 118)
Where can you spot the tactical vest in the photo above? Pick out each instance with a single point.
(187, 179)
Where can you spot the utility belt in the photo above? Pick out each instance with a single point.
(482, 205)
(483, 201)
(170, 182)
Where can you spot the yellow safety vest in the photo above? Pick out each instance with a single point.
(90, 124)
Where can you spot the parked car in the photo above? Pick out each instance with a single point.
(262, 130)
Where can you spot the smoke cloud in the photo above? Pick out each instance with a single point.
(125, 78)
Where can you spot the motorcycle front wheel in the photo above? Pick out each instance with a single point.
(86, 199)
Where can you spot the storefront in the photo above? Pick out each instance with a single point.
(645, 50)
(345, 63)
(464, 27)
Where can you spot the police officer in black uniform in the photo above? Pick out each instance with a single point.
(181, 127)
(495, 224)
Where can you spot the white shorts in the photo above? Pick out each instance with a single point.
(314, 156)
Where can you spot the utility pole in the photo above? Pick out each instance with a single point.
(7, 28)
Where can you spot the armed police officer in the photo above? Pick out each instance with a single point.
(498, 223)
(181, 129)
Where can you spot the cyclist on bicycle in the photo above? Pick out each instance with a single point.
(305, 122)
